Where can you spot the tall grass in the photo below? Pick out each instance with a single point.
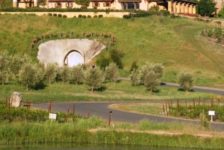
(53, 132)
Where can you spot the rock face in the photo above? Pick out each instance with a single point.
(15, 99)
(57, 51)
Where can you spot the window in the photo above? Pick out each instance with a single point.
(95, 4)
(69, 5)
(106, 4)
(58, 5)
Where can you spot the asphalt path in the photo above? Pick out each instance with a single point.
(102, 110)
(199, 88)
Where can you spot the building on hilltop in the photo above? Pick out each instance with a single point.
(187, 7)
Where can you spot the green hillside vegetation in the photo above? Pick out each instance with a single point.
(5, 3)
(174, 42)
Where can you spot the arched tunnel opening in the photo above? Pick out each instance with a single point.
(73, 58)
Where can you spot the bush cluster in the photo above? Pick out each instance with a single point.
(57, 15)
(38, 76)
(148, 75)
(111, 55)
(215, 33)
(195, 111)
(137, 14)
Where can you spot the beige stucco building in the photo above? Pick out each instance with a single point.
(173, 6)
(219, 4)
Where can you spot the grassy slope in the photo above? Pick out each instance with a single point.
(174, 42)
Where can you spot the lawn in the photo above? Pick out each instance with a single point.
(174, 42)
(114, 91)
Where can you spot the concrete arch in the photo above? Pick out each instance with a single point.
(66, 59)
(56, 51)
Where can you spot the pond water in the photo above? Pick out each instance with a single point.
(85, 147)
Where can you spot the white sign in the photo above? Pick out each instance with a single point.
(211, 113)
(52, 116)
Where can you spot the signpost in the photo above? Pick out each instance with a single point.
(52, 116)
(212, 114)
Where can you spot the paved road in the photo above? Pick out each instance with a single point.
(199, 88)
(102, 110)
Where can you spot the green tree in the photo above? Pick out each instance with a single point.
(135, 79)
(103, 61)
(50, 73)
(206, 8)
(186, 81)
(116, 57)
(16, 62)
(31, 76)
(77, 75)
(134, 66)
(65, 74)
(158, 69)
(94, 78)
(151, 81)
(111, 73)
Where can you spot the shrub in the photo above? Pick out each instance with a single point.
(94, 78)
(32, 76)
(206, 8)
(77, 75)
(116, 57)
(186, 81)
(64, 74)
(111, 73)
(103, 61)
(151, 81)
(204, 120)
(164, 12)
(50, 73)
(135, 78)
(134, 66)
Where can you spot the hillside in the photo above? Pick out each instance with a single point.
(174, 42)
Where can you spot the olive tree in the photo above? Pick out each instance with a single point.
(31, 76)
(50, 73)
(185, 81)
(111, 73)
(77, 75)
(63, 74)
(94, 78)
(151, 81)
(135, 78)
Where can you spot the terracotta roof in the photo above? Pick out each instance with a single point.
(60, 0)
(102, 0)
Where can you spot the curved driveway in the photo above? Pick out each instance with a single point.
(102, 110)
